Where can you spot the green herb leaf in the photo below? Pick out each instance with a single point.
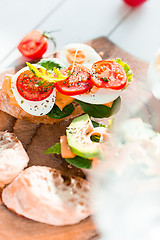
(105, 79)
(50, 63)
(58, 114)
(102, 125)
(54, 149)
(96, 124)
(126, 68)
(80, 162)
(100, 111)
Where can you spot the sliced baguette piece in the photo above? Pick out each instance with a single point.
(19, 113)
(44, 195)
(13, 158)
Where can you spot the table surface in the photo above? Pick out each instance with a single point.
(135, 30)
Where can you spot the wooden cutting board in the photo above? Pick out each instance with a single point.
(137, 100)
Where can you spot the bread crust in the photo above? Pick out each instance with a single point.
(43, 194)
(19, 113)
(13, 158)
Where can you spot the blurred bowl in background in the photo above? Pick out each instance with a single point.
(154, 75)
(126, 188)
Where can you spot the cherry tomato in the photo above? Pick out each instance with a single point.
(77, 83)
(28, 88)
(134, 3)
(108, 74)
(33, 45)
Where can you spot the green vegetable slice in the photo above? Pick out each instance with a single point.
(100, 111)
(49, 76)
(58, 114)
(54, 149)
(80, 162)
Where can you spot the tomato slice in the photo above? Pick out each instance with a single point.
(28, 88)
(33, 45)
(108, 74)
(77, 83)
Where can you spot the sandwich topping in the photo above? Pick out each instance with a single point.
(29, 89)
(93, 84)
(108, 74)
(78, 82)
(83, 143)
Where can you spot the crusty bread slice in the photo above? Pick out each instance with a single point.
(43, 194)
(19, 113)
(13, 158)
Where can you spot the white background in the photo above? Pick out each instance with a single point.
(137, 30)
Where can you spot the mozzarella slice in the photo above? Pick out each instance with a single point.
(101, 96)
(36, 108)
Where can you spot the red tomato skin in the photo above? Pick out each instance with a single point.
(71, 86)
(26, 86)
(33, 45)
(134, 3)
(112, 71)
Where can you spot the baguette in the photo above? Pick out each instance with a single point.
(19, 113)
(13, 158)
(43, 194)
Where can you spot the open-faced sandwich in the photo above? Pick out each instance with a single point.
(77, 81)
(46, 195)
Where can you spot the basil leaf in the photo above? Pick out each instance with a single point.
(54, 149)
(80, 162)
(58, 114)
(50, 63)
(100, 111)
